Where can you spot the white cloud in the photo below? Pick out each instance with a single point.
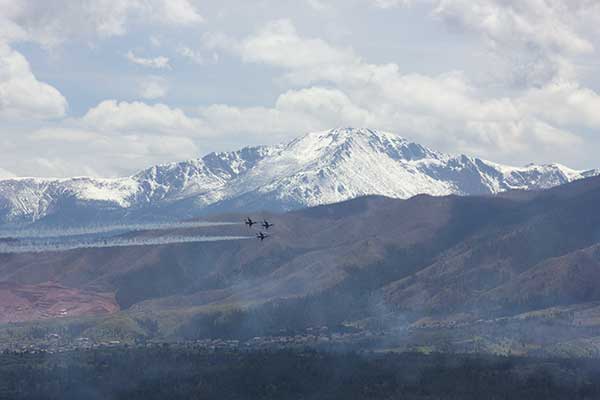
(155, 41)
(532, 42)
(21, 94)
(111, 139)
(531, 99)
(295, 112)
(330, 107)
(51, 23)
(190, 54)
(548, 24)
(64, 134)
(69, 151)
(118, 117)
(153, 87)
(391, 3)
(142, 121)
(564, 104)
(255, 124)
(279, 44)
(447, 111)
(319, 5)
(159, 62)
(177, 12)
(306, 60)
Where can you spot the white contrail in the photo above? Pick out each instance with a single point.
(32, 247)
(91, 230)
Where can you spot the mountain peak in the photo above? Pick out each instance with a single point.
(363, 139)
(338, 135)
(317, 168)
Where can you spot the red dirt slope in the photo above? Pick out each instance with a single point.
(50, 300)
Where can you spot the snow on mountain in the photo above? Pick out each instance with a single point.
(30, 199)
(318, 168)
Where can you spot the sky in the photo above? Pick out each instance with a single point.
(108, 87)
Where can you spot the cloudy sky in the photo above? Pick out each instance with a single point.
(107, 87)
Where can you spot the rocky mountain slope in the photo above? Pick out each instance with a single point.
(318, 168)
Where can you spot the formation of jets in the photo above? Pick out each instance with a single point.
(265, 224)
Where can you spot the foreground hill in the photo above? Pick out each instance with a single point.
(318, 168)
(517, 270)
(171, 372)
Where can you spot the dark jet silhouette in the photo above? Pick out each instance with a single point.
(261, 236)
(266, 224)
(249, 222)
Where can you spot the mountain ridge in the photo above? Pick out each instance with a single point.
(317, 168)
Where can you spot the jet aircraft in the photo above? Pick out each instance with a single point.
(261, 236)
(266, 224)
(249, 222)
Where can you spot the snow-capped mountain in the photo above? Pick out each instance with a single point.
(318, 168)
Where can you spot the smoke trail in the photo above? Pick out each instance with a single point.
(37, 247)
(92, 230)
